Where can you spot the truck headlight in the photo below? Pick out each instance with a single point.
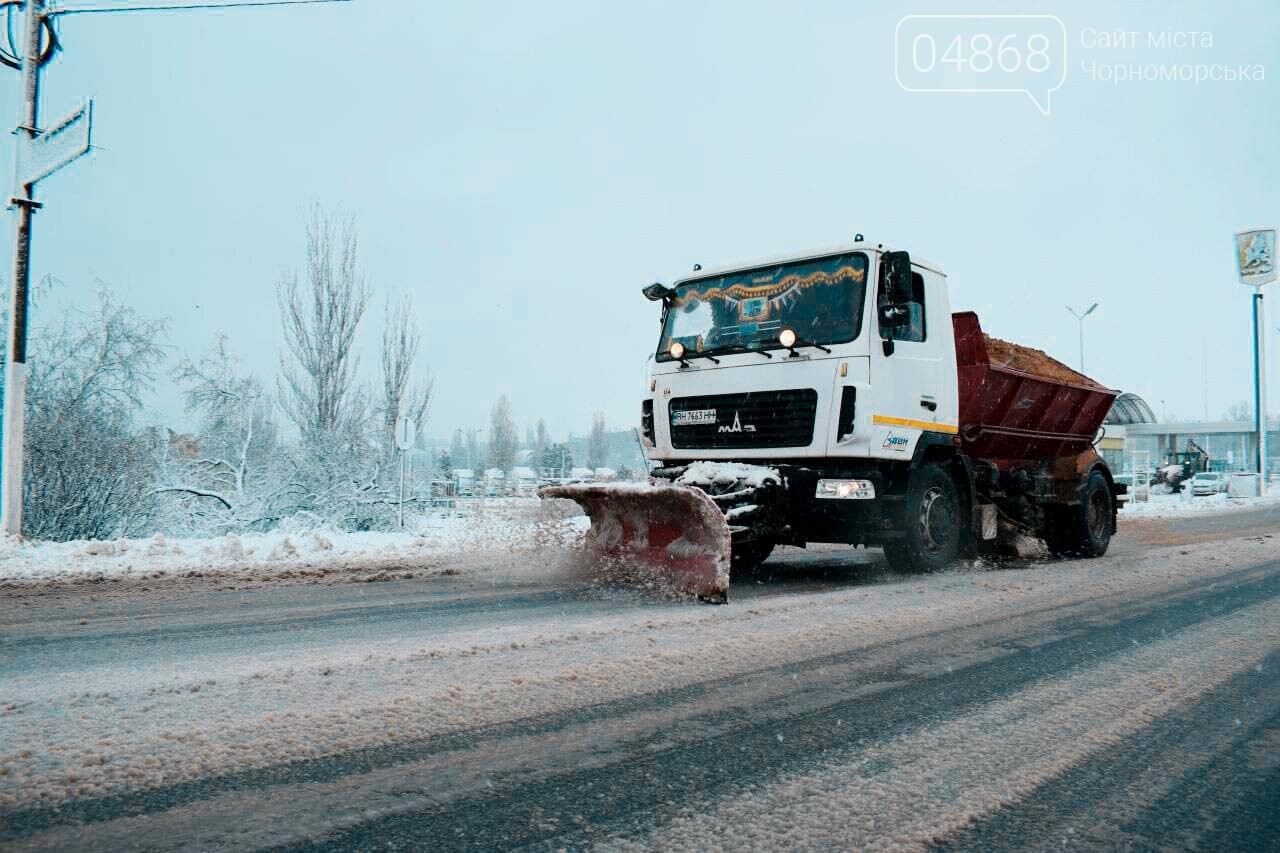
(849, 490)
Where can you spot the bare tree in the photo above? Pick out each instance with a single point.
(597, 443)
(504, 440)
(458, 449)
(540, 441)
(215, 473)
(90, 466)
(320, 317)
(401, 340)
(1239, 411)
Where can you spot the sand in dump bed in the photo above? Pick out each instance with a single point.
(1033, 361)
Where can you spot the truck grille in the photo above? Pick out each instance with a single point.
(759, 419)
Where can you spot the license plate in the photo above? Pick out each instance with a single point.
(693, 417)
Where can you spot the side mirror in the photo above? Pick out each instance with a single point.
(895, 277)
(896, 316)
(657, 291)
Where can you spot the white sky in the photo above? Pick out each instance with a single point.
(523, 169)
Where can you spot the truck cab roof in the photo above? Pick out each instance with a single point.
(770, 260)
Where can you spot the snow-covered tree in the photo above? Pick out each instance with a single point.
(89, 466)
(401, 396)
(458, 449)
(235, 412)
(598, 443)
(540, 441)
(557, 460)
(504, 440)
(317, 386)
(224, 478)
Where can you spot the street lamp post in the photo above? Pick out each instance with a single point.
(1080, 318)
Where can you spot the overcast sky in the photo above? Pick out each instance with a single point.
(524, 168)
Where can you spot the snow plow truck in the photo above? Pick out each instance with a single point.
(832, 396)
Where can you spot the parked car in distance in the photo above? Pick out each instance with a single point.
(1208, 483)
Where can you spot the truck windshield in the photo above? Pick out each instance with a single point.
(820, 300)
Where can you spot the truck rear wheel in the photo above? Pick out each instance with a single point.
(1084, 530)
(931, 524)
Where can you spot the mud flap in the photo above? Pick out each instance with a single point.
(659, 531)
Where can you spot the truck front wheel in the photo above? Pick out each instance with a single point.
(1084, 530)
(746, 556)
(931, 524)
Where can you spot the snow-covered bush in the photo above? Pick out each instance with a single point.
(89, 465)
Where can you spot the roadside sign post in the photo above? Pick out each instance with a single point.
(404, 443)
(1256, 268)
(39, 154)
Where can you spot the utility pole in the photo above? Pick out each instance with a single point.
(1080, 319)
(1255, 255)
(1260, 384)
(23, 200)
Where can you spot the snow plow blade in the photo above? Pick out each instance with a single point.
(656, 531)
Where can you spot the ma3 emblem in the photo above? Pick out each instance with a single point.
(738, 426)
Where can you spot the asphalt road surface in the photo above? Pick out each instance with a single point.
(1127, 702)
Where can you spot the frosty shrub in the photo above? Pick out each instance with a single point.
(224, 478)
(89, 465)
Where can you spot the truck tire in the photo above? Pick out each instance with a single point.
(1084, 530)
(932, 526)
(746, 556)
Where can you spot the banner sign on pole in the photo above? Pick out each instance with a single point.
(1256, 256)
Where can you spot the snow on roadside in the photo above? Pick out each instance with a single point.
(482, 526)
(1185, 504)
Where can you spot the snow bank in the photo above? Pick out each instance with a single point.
(1184, 504)
(482, 526)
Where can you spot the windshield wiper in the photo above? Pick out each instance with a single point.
(689, 355)
(792, 348)
(788, 340)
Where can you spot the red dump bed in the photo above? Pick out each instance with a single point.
(1017, 403)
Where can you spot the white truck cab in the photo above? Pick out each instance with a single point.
(853, 384)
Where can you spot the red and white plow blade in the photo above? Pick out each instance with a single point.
(658, 530)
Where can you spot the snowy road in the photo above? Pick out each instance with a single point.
(1131, 700)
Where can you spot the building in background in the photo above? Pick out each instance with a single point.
(1131, 427)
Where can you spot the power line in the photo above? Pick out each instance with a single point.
(178, 7)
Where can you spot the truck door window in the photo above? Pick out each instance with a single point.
(915, 331)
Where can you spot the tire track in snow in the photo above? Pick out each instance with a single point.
(785, 702)
(1204, 777)
(702, 757)
(916, 789)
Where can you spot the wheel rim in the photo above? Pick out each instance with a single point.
(1098, 520)
(937, 520)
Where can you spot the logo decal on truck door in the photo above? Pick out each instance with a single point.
(895, 442)
(738, 425)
